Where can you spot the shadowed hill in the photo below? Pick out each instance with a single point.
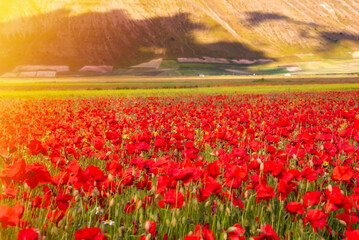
(128, 32)
(106, 38)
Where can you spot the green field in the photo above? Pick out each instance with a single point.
(251, 89)
(304, 66)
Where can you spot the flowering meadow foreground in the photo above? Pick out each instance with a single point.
(272, 166)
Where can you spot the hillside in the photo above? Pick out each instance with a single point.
(128, 32)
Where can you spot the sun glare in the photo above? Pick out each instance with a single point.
(14, 9)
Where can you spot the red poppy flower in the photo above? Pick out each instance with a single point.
(236, 232)
(172, 197)
(342, 173)
(349, 219)
(316, 218)
(150, 227)
(268, 234)
(312, 198)
(295, 208)
(93, 233)
(211, 186)
(130, 207)
(14, 172)
(255, 145)
(55, 216)
(336, 200)
(36, 174)
(62, 201)
(264, 192)
(352, 235)
(28, 234)
(36, 148)
(309, 174)
(201, 233)
(11, 216)
(285, 187)
(213, 169)
(98, 143)
(185, 175)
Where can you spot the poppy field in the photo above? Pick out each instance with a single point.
(222, 166)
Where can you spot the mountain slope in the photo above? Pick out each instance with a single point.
(127, 32)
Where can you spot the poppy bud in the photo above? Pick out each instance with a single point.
(219, 226)
(295, 157)
(141, 218)
(228, 211)
(148, 237)
(110, 177)
(207, 203)
(75, 193)
(39, 237)
(174, 222)
(330, 188)
(246, 194)
(54, 231)
(221, 207)
(112, 202)
(139, 204)
(225, 236)
(102, 227)
(342, 222)
(168, 222)
(261, 167)
(183, 220)
(74, 214)
(147, 226)
(95, 192)
(231, 229)
(259, 161)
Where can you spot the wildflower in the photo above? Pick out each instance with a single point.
(108, 222)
